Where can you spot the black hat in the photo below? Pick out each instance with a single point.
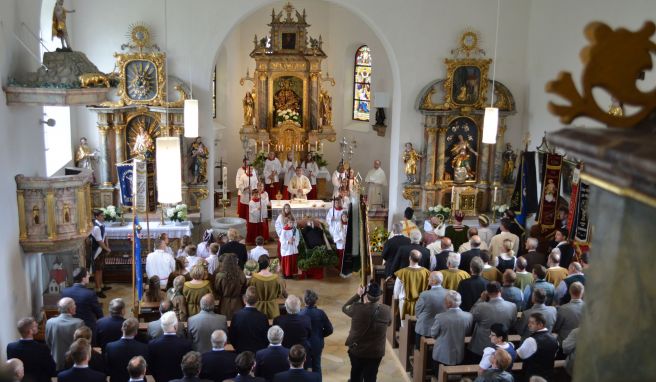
(373, 290)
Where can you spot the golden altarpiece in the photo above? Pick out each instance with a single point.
(128, 127)
(457, 169)
(288, 109)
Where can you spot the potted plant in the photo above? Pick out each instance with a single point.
(111, 213)
(313, 261)
(178, 213)
(287, 115)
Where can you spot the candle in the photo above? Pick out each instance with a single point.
(225, 182)
(494, 196)
(453, 195)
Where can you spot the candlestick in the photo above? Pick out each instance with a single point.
(225, 182)
(494, 196)
(453, 195)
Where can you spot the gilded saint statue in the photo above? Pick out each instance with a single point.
(84, 156)
(143, 143)
(461, 159)
(59, 24)
(509, 157)
(286, 98)
(249, 108)
(198, 154)
(411, 159)
(326, 108)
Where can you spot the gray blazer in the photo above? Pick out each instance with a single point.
(549, 313)
(568, 318)
(485, 314)
(450, 329)
(59, 336)
(430, 303)
(155, 329)
(201, 326)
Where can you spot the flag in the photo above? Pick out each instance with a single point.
(137, 257)
(523, 200)
(125, 174)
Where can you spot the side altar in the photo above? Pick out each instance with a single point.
(288, 109)
(454, 167)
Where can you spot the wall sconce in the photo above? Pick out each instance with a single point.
(381, 101)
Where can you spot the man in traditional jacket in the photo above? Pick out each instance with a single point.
(410, 282)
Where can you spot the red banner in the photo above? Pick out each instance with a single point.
(573, 203)
(550, 191)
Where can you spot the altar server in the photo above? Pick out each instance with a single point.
(288, 167)
(256, 215)
(338, 232)
(246, 183)
(272, 170)
(280, 221)
(266, 202)
(289, 241)
(337, 178)
(310, 169)
(299, 185)
(334, 215)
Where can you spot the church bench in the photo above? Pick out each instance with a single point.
(446, 371)
(407, 341)
(395, 325)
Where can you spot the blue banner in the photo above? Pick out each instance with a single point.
(125, 174)
(137, 258)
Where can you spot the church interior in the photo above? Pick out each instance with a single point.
(176, 109)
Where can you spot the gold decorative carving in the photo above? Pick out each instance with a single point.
(466, 83)
(81, 213)
(412, 195)
(614, 60)
(288, 66)
(50, 206)
(149, 75)
(22, 224)
(182, 96)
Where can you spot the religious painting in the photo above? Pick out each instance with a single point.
(466, 83)
(462, 150)
(142, 78)
(141, 132)
(288, 100)
(289, 40)
(362, 84)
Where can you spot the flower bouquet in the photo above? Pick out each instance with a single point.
(111, 213)
(177, 213)
(499, 210)
(377, 239)
(439, 210)
(287, 115)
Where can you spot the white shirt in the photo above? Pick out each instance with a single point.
(464, 247)
(529, 346)
(338, 232)
(333, 218)
(245, 185)
(289, 242)
(160, 263)
(212, 264)
(271, 166)
(191, 261)
(257, 211)
(202, 250)
(487, 352)
(310, 170)
(289, 168)
(337, 181)
(256, 252)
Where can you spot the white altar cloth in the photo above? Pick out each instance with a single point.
(124, 232)
(314, 208)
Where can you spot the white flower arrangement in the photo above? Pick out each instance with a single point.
(111, 213)
(177, 213)
(439, 210)
(500, 209)
(287, 115)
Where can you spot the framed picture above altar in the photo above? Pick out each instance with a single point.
(466, 84)
(462, 149)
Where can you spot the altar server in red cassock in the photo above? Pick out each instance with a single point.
(245, 183)
(289, 248)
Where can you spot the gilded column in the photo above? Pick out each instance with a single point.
(119, 136)
(314, 101)
(22, 226)
(431, 137)
(89, 211)
(261, 101)
(81, 210)
(441, 149)
(103, 169)
(50, 207)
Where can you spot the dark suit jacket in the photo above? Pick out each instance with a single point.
(440, 260)
(218, 365)
(297, 375)
(247, 378)
(190, 379)
(401, 258)
(321, 327)
(566, 255)
(165, 354)
(108, 329)
(389, 250)
(75, 374)
(37, 361)
(533, 258)
(248, 330)
(470, 290)
(238, 249)
(297, 328)
(270, 361)
(466, 257)
(86, 303)
(118, 354)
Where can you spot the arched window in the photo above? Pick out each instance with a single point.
(362, 84)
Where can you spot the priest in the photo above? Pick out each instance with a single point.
(272, 170)
(299, 185)
(376, 182)
(311, 169)
(288, 168)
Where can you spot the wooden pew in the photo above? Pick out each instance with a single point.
(407, 341)
(445, 371)
(396, 324)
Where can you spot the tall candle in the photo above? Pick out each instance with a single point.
(225, 182)
(494, 196)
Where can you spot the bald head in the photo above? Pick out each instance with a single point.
(575, 267)
(396, 228)
(446, 243)
(376, 164)
(435, 278)
(475, 241)
(15, 367)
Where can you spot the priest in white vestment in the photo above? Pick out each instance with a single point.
(310, 170)
(376, 182)
(288, 168)
(272, 170)
(299, 185)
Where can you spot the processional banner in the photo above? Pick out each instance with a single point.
(125, 175)
(140, 186)
(550, 191)
(578, 223)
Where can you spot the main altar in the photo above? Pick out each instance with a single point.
(288, 108)
(455, 168)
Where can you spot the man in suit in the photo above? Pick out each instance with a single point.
(296, 373)
(137, 369)
(538, 351)
(109, 329)
(87, 307)
(430, 303)
(540, 282)
(392, 245)
(450, 329)
(245, 363)
(490, 309)
(234, 246)
(218, 363)
(532, 255)
(438, 260)
(402, 256)
(248, 329)
(80, 352)
(155, 327)
(475, 250)
(191, 367)
(470, 289)
(202, 325)
(297, 328)
(38, 364)
(60, 330)
(548, 312)
(568, 316)
(167, 351)
(273, 359)
(118, 353)
(566, 249)
(575, 274)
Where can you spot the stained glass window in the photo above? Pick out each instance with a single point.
(362, 84)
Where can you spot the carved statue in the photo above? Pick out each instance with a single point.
(326, 108)
(84, 156)
(461, 157)
(198, 153)
(285, 98)
(59, 24)
(93, 79)
(249, 109)
(509, 158)
(411, 158)
(143, 143)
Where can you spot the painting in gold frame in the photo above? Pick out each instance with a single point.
(466, 83)
(142, 79)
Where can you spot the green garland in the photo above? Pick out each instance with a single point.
(317, 257)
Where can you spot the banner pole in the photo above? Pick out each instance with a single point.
(135, 306)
